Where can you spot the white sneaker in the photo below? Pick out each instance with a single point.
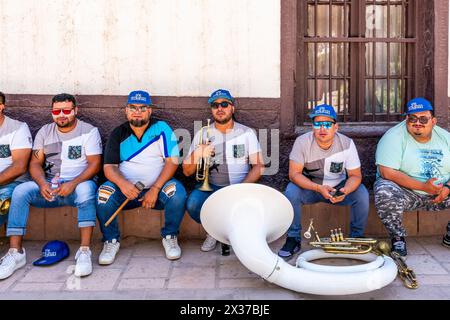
(209, 243)
(12, 261)
(109, 252)
(170, 244)
(84, 263)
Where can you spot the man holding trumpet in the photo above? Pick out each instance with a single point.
(231, 154)
(141, 157)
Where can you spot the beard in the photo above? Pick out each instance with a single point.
(224, 120)
(69, 123)
(139, 122)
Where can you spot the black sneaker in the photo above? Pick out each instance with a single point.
(291, 247)
(225, 249)
(446, 241)
(399, 246)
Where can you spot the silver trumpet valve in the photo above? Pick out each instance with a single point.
(307, 233)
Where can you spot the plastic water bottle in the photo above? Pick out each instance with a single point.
(54, 184)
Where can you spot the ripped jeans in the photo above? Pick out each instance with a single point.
(171, 198)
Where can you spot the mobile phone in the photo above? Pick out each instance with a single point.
(337, 194)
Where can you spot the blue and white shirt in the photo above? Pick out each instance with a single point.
(141, 159)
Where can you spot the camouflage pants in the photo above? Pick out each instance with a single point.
(391, 201)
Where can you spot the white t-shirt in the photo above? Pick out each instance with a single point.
(230, 164)
(65, 153)
(13, 135)
(326, 167)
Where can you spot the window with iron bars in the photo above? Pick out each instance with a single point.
(357, 56)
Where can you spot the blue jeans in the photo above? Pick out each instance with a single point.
(6, 193)
(27, 193)
(109, 199)
(196, 199)
(358, 200)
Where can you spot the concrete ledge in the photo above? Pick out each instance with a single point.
(61, 223)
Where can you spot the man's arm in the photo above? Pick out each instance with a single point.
(406, 181)
(20, 159)
(151, 196)
(189, 164)
(255, 173)
(113, 174)
(297, 177)
(38, 174)
(94, 165)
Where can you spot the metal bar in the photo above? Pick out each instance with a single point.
(388, 59)
(374, 72)
(330, 53)
(315, 56)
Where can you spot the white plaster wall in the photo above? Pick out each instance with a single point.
(169, 47)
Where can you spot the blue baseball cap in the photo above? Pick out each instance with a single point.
(53, 252)
(220, 94)
(139, 97)
(324, 110)
(418, 105)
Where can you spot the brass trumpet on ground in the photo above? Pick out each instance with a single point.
(202, 173)
(405, 273)
(4, 206)
(336, 243)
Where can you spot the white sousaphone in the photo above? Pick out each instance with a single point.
(248, 216)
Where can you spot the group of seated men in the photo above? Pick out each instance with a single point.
(142, 155)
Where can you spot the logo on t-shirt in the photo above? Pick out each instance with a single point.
(336, 167)
(5, 152)
(238, 150)
(74, 152)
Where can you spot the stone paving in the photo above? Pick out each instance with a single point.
(141, 271)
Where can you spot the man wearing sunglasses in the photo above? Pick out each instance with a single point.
(413, 160)
(141, 150)
(324, 166)
(66, 157)
(235, 156)
(15, 150)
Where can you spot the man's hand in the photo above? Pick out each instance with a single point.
(339, 198)
(46, 191)
(150, 198)
(129, 190)
(205, 150)
(442, 195)
(432, 188)
(65, 189)
(325, 191)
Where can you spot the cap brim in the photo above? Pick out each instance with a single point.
(211, 100)
(48, 261)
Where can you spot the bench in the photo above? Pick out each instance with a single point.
(61, 223)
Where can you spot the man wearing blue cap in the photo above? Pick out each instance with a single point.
(413, 161)
(324, 166)
(234, 152)
(141, 151)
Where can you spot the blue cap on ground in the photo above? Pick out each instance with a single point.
(220, 94)
(53, 252)
(418, 105)
(324, 110)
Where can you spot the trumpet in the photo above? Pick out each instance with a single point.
(202, 173)
(405, 273)
(336, 243)
(4, 206)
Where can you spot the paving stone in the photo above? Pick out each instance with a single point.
(234, 269)
(435, 280)
(424, 264)
(195, 257)
(38, 287)
(439, 252)
(16, 276)
(54, 273)
(414, 247)
(242, 283)
(139, 284)
(99, 280)
(156, 267)
(150, 249)
(192, 277)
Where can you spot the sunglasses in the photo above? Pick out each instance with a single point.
(57, 112)
(141, 108)
(223, 104)
(325, 124)
(421, 119)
